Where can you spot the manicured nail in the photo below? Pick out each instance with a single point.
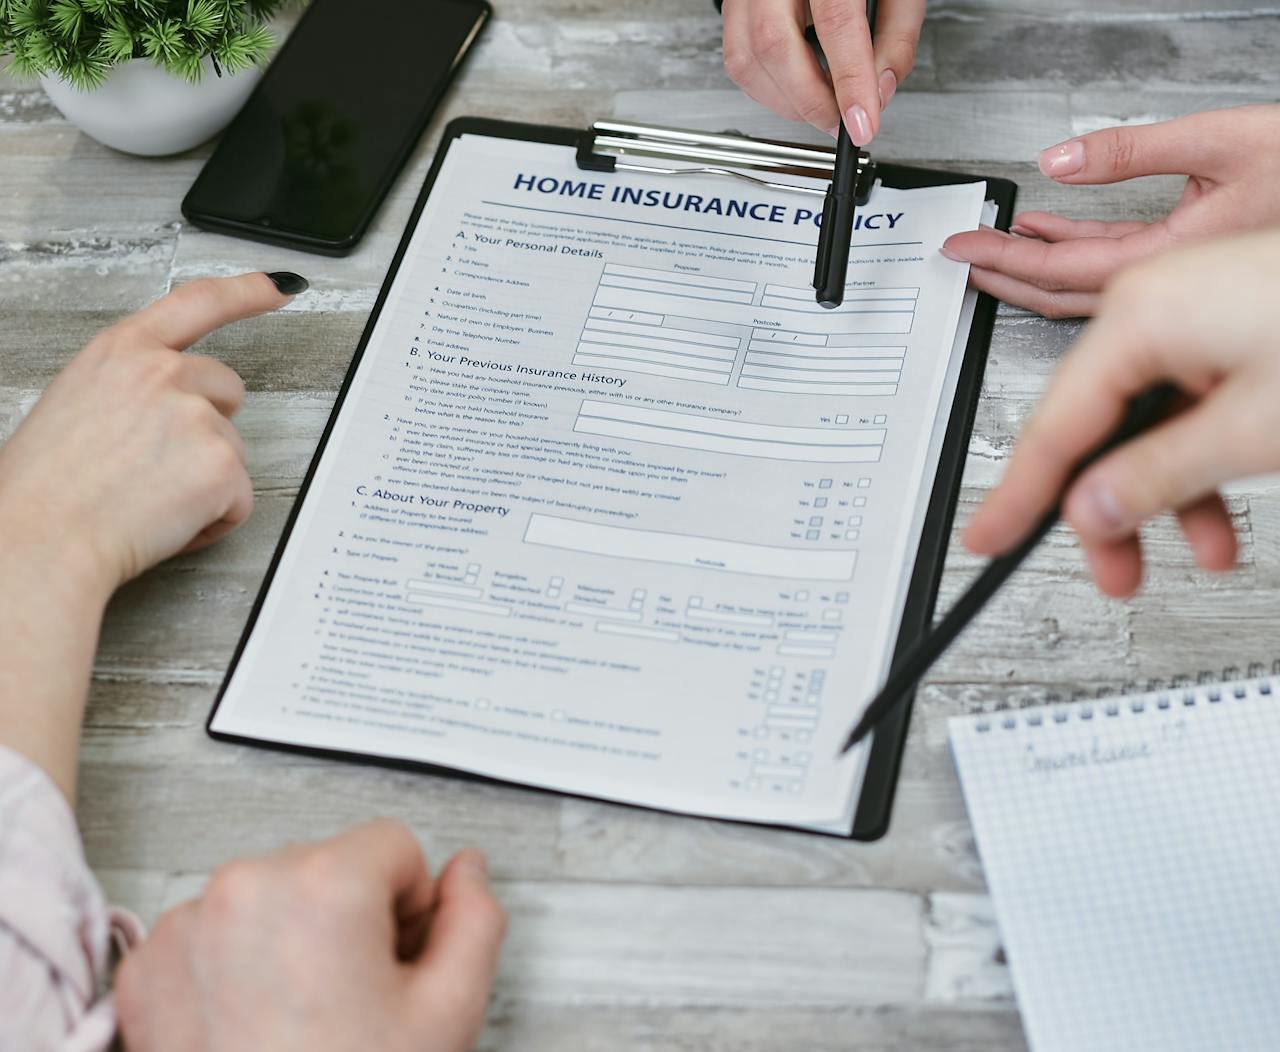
(288, 283)
(1094, 509)
(888, 87)
(858, 121)
(1064, 159)
(474, 860)
(952, 254)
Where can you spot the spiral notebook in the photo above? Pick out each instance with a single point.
(1132, 850)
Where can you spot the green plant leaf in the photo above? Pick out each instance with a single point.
(204, 20)
(116, 43)
(67, 18)
(81, 40)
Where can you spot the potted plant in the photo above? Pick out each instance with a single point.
(144, 76)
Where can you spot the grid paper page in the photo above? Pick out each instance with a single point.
(1132, 849)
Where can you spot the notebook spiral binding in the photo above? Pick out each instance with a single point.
(1185, 690)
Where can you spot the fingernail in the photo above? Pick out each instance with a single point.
(858, 121)
(1064, 159)
(474, 860)
(288, 283)
(953, 255)
(888, 87)
(1094, 509)
(1022, 231)
(834, 131)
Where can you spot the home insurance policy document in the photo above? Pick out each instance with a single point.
(611, 506)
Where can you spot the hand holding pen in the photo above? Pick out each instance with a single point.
(1186, 394)
(767, 56)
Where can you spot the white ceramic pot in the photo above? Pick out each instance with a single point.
(145, 110)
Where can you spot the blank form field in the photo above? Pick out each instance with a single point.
(708, 553)
(863, 310)
(728, 617)
(739, 437)
(860, 390)
(677, 283)
(803, 650)
(441, 588)
(602, 611)
(662, 635)
(470, 605)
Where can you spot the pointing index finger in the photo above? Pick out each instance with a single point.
(192, 311)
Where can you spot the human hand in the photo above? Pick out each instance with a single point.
(767, 56)
(339, 946)
(1058, 266)
(1205, 319)
(129, 456)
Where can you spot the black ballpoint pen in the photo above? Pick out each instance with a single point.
(832, 265)
(1144, 411)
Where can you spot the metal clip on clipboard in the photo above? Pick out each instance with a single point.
(611, 146)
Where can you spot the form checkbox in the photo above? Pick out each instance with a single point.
(820, 502)
(801, 596)
(864, 483)
(811, 535)
(859, 502)
(824, 484)
(850, 535)
(880, 418)
(843, 418)
(854, 520)
(816, 520)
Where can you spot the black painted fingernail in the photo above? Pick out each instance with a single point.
(289, 283)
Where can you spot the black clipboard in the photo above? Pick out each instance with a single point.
(875, 802)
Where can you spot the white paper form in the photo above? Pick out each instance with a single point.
(612, 506)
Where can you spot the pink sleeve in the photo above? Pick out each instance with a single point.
(55, 926)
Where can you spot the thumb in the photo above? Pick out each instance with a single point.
(1166, 468)
(451, 980)
(193, 311)
(1177, 147)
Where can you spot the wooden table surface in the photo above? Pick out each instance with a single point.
(631, 930)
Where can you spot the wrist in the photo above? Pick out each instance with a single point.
(52, 557)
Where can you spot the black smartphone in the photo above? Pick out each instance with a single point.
(317, 146)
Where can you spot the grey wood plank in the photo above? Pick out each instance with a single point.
(635, 944)
(966, 957)
(1140, 52)
(516, 1024)
(1103, 10)
(163, 796)
(1264, 521)
(929, 846)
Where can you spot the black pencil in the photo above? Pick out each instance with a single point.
(1144, 411)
